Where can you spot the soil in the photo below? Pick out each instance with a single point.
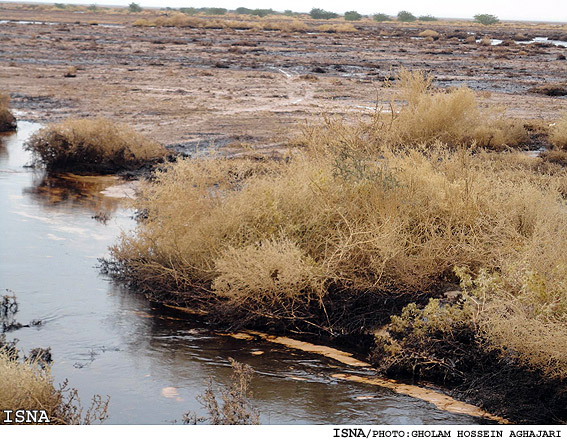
(239, 89)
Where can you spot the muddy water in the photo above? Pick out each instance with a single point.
(151, 363)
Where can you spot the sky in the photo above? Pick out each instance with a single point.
(530, 10)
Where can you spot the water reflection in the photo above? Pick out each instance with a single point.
(73, 191)
(4, 155)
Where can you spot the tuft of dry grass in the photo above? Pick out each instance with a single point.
(336, 28)
(7, 120)
(28, 385)
(97, 145)
(558, 133)
(452, 117)
(430, 33)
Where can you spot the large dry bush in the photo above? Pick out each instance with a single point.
(92, 145)
(273, 239)
(7, 120)
(28, 385)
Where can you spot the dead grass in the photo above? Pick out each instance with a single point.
(92, 145)
(453, 117)
(430, 33)
(558, 133)
(7, 120)
(336, 28)
(235, 408)
(28, 385)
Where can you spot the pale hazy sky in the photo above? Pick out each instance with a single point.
(545, 10)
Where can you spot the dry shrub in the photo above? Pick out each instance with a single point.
(270, 278)
(430, 33)
(143, 23)
(338, 28)
(7, 120)
(235, 408)
(558, 133)
(92, 145)
(521, 313)
(286, 26)
(452, 117)
(28, 385)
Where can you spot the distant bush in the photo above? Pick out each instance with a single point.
(60, 5)
(382, 17)
(321, 14)
(7, 120)
(486, 19)
(352, 16)
(214, 11)
(97, 145)
(188, 11)
(134, 7)
(427, 18)
(92, 8)
(406, 16)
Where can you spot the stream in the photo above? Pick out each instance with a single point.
(110, 341)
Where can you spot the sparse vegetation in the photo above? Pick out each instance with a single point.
(7, 119)
(405, 16)
(486, 19)
(97, 145)
(235, 408)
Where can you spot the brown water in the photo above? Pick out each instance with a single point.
(110, 341)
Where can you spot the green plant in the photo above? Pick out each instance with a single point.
(352, 16)
(321, 14)
(382, 17)
(405, 16)
(427, 18)
(134, 7)
(486, 19)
